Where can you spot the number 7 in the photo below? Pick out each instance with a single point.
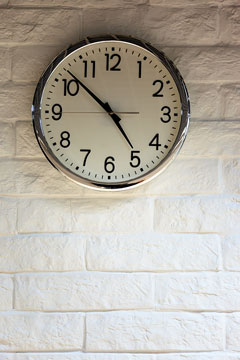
(86, 156)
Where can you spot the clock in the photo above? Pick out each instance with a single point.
(111, 112)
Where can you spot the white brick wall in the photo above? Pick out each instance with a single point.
(148, 274)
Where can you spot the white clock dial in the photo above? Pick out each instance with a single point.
(110, 113)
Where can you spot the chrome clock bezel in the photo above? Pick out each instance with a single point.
(185, 114)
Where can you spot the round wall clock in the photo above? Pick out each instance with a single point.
(111, 112)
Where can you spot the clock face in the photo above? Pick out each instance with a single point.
(110, 113)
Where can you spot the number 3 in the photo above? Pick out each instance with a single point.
(167, 113)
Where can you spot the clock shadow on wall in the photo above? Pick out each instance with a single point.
(111, 112)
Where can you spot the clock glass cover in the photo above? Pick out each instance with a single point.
(111, 112)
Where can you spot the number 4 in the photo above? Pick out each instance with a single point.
(155, 142)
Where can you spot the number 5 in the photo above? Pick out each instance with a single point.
(135, 157)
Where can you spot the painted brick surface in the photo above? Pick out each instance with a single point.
(25, 147)
(47, 252)
(6, 293)
(105, 356)
(8, 219)
(83, 291)
(7, 139)
(200, 214)
(195, 20)
(153, 252)
(21, 331)
(192, 291)
(123, 215)
(124, 331)
(232, 332)
(203, 96)
(231, 252)
(229, 23)
(218, 139)
(230, 94)
(151, 273)
(44, 215)
(209, 64)
(5, 64)
(40, 177)
(78, 3)
(29, 62)
(34, 26)
(231, 175)
(13, 104)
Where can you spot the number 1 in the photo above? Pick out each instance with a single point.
(139, 69)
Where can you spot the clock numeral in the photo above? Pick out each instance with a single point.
(139, 69)
(71, 87)
(86, 156)
(86, 68)
(57, 112)
(65, 142)
(166, 113)
(157, 93)
(135, 158)
(155, 142)
(109, 165)
(115, 66)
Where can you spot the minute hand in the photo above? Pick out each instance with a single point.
(105, 106)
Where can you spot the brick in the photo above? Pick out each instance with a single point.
(5, 63)
(83, 292)
(40, 26)
(230, 99)
(105, 356)
(44, 215)
(184, 21)
(195, 176)
(232, 332)
(40, 177)
(37, 177)
(202, 99)
(231, 252)
(4, 2)
(93, 21)
(78, 3)
(231, 175)
(61, 252)
(6, 293)
(7, 139)
(229, 25)
(21, 331)
(26, 142)
(185, 3)
(8, 218)
(230, 2)
(212, 139)
(210, 64)
(29, 62)
(153, 252)
(198, 291)
(144, 331)
(114, 215)
(16, 101)
(197, 214)
(193, 25)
